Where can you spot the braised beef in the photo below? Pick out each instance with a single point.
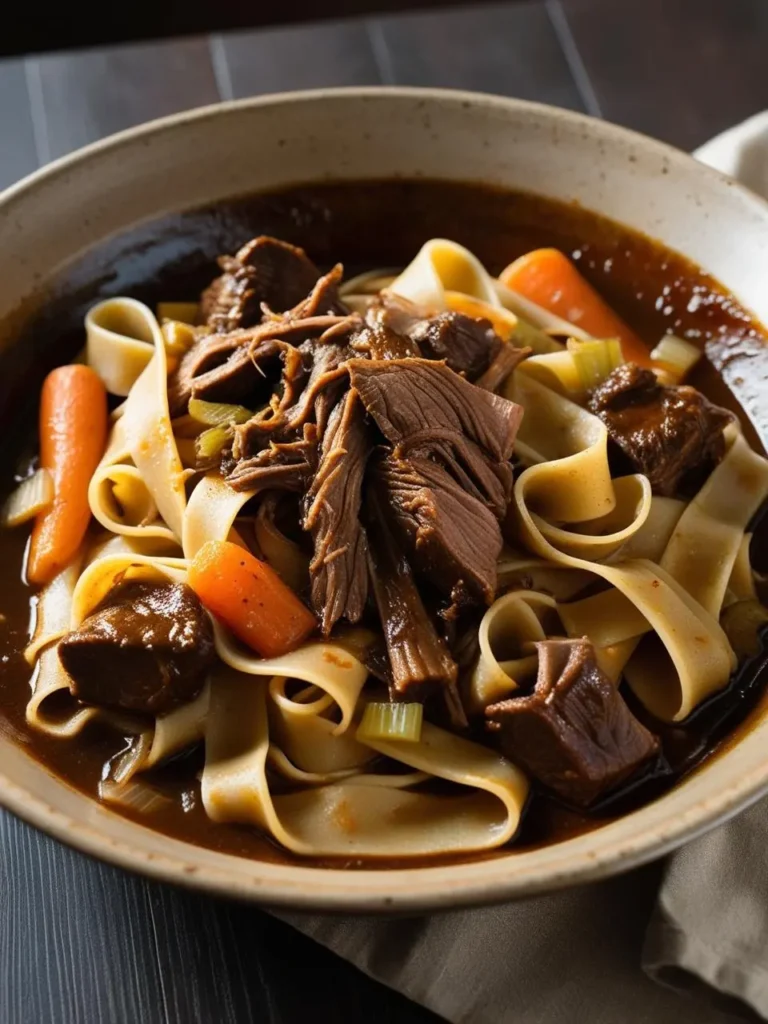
(146, 648)
(487, 479)
(246, 376)
(384, 332)
(285, 465)
(412, 399)
(673, 435)
(419, 659)
(323, 300)
(325, 374)
(574, 733)
(452, 539)
(265, 271)
(465, 343)
(339, 568)
(505, 360)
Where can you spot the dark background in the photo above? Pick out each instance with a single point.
(83, 943)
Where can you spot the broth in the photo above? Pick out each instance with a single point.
(369, 225)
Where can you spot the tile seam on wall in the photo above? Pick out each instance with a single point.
(381, 55)
(562, 29)
(220, 65)
(37, 109)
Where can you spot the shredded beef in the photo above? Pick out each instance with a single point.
(285, 465)
(384, 332)
(411, 399)
(265, 271)
(324, 365)
(419, 659)
(574, 733)
(339, 569)
(673, 435)
(503, 363)
(465, 343)
(238, 368)
(452, 539)
(146, 648)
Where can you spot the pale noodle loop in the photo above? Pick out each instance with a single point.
(507, 632)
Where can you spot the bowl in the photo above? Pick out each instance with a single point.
(55, 216)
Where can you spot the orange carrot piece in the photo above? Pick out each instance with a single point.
(73, 434)
(548, 278)
(250, 598)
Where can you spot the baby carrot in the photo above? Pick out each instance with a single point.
(249, 598)
(73, 434)
(549, 278)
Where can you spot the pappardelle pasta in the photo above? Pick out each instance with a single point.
(401, 552)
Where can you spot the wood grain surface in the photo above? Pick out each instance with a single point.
(83, 943)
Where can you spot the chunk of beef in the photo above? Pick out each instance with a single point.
(147, 648)
(384, 332)
(242, 368)
(465, 343)
(265, 270)
(411, 399)
(339, 568)
(284, 465)
(452, 539)
(673, 435)
(480, 476)
(419, 659)
(574, 733)
(323, 300)
(503, 363)
(326, 379)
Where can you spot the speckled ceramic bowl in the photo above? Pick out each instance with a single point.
(219, 152)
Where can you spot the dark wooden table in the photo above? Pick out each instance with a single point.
(82, 943)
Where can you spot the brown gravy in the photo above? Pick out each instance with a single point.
(377, 225)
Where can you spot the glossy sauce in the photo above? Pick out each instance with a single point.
(380, 225)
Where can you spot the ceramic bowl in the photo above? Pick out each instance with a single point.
(219, 152)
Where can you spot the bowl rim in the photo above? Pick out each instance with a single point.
(476, 882)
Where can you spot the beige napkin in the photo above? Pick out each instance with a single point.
(680, 942)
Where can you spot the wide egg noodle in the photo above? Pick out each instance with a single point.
(442, 266)
(120, 500)
(143, 432)
(702, 545)
(302, 727)
(560, 492)
(351, 818)
(120, 342)
(211, 513)
(50, 709)
(507, 632)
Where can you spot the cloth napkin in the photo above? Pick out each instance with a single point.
(679, 942)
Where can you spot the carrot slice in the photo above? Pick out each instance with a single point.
(73, 434)
(549, 278)
(249, 598)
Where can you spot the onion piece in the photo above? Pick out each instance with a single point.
(33, 496)
(595, 360)
(675, 358)
(183, 312)
(178, 337)
(211, 443)
(217, 414)
(136, 796)
(743, 622)
(391, 721)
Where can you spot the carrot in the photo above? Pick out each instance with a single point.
(550, 279)
(249, 598)
(73, 434)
